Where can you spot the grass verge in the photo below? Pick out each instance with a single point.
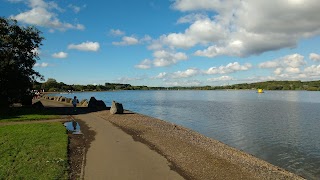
(33, 151)
(25, 114)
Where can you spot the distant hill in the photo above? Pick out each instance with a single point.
(53, 86)
(278, 85)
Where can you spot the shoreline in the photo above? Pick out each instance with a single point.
(192, 154)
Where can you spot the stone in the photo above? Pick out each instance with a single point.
(96, 104)
(85, 104)
(58, 99)
(37, 105)
(68, 100)
(82, 101)
(62, 99)
(116, 108)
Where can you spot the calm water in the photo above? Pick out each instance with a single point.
(281, 127)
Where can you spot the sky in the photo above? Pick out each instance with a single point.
(173, 42)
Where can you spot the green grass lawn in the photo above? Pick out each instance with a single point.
(25, 114)
(33, 151)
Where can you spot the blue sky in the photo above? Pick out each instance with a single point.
(174, 42)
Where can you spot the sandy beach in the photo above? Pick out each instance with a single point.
(135, 146)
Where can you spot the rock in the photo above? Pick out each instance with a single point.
(51, 98)
(116, 108)
(68, 100)
(96, 104)
(62, 99)
(85, 103)
(38, 105)
(82, 101)
(58, 99)
(92, 102)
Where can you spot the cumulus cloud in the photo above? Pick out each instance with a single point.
(229, 68)
(202, 31)
(145, 64)
(288, 64)
(163, 58)
(76, 9)
(183, 83)
(127, 41)
(41, 65)
(314, 57)
(42, 14)
(191, 72)
(312, 70)
(185, 74)
(131, 40)
(273, 25)
(161, 76)
(60, 55)
(221, 78)
(116, 32)
(85, 46)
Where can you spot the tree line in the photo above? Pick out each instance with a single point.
(51, 85)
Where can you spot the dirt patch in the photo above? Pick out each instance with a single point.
(77, 149)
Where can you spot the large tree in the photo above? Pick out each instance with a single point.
(18, 55)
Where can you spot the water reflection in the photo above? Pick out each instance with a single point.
(73, 126)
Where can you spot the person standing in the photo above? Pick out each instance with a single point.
(74, 103)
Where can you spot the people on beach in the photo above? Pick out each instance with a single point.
(74, 103)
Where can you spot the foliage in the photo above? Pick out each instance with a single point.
(268, 85)
(33, 151)
(17, 57)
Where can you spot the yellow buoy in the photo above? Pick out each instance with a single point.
(260, 90)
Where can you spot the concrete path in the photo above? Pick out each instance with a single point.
(114, 155)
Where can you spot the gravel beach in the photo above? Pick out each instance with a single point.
(191, 154)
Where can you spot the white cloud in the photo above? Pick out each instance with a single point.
(288, 64)
(273, 25)
(202, 31)
(85, 46)
(314, 57)
(76, 9)
(116, 32)
(127, 41)
(166, 58)
(312, 70)
(41, 14)
(186, 74)
(221, 78)
(190, 18)
(191, 72)
(270, 64)
(128, 79)
(60, 55)
(41, 65)
(161, 76)
(162, 58)
(229, 68)
(183, 83)
(145, 64)
(278, 71)
(292, 70)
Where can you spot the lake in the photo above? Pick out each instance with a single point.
(281, 127)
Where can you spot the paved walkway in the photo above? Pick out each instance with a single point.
(114, 155)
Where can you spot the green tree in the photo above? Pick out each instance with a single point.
(49, 84)
(17, 57)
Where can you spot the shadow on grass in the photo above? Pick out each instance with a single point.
(12, 113)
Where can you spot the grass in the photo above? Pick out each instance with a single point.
(33, 151)
(25, 114)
